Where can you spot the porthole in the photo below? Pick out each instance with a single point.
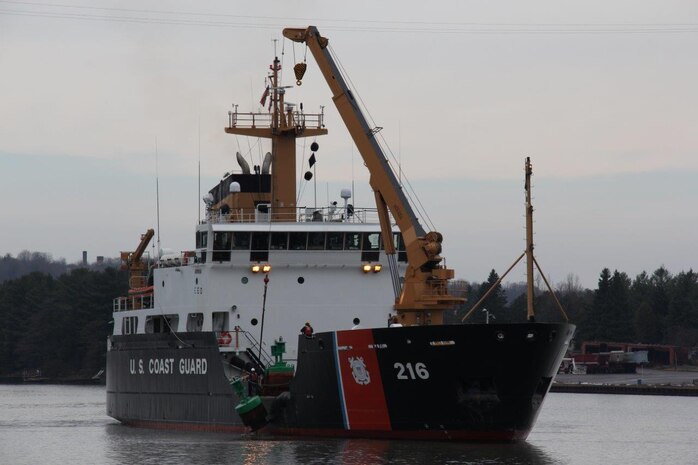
(500, 336)
(356, 321)
(254, 321)
(301, 280)
(244, 280)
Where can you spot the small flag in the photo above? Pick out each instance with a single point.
(311, 160)
(263, 100)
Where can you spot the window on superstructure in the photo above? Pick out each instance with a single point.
(279, 241)
(195, 321)
(222, 242)
(260, 246)
(241, 241)
(316, 241)
(297, 240)
(400, 246)
(220, 321)
(201, 239)
(352, 241)
(335, 240)
(129, 325)
(370, 249)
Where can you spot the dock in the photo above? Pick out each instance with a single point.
(645, 382)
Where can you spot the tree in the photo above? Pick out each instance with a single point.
(597, 321)
(621, 324)
(647, 325)
(496, 302)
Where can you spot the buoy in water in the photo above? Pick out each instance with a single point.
(250, 409)
(252, 412)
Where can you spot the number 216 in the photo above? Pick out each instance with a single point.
(408, 371)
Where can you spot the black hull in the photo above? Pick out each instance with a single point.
(461, 382)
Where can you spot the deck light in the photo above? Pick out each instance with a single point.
(266, 268)
(366, 267)
(377, 268)
(256, 268)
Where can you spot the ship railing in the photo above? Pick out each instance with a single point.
(266, 120)
(254, 346)
(133, 302)
(332, 214)
(184, 258)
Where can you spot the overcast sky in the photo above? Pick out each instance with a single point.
(602, 95)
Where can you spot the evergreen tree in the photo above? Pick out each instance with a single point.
(598, 321)
(621, 323)
(496, 302)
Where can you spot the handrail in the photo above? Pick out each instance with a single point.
(259, 119)
(266, 358)
(333, 214)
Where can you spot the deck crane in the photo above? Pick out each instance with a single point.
(424, 295)
(132, 262)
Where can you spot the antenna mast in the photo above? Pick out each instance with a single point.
(530, 312)
(157, 193)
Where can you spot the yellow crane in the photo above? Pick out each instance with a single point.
(424, 295)
(132, 261)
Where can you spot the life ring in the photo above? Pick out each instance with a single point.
(224, 338)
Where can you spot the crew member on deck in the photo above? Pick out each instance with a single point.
(307, 330)
(253, 383)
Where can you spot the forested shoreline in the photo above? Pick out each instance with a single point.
(56, 317)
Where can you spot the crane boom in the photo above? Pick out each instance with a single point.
(424, 295)
(132, 262)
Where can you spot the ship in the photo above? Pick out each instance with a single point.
(316, 321)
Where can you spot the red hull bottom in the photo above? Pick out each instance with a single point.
(423, 435)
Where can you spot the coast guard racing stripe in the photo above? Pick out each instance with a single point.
(360, 384)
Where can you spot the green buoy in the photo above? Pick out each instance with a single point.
(250, 409)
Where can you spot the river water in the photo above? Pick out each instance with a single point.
(68, 425)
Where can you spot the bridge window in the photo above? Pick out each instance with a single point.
(201, 239)
(297, 240)
(316, 241)
(279, 241)
(260, 247)
(334, 240)
(352, 241)
(400, 246)
(241, 241)
(370, 247)
(221, 246)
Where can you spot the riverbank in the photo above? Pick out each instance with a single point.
(644, 382)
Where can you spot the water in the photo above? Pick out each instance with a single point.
(67, 425)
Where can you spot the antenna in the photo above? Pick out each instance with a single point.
(157, 192)
(198, 207)
(399, 153)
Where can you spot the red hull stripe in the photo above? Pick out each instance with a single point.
(182, 426)
(361, 383)
(426, 435)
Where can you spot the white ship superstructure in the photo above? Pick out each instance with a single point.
(324, 269)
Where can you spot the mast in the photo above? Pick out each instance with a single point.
(530, 313)
(283, 126)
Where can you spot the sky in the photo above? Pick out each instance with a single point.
(96, 97)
